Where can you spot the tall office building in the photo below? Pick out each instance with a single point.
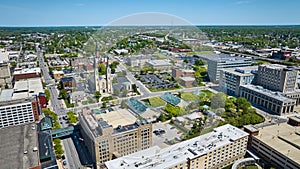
(278, 77)
(231, 79)
(113, 134)
(218, 62)
(19, 111)
(216, 149)
(277, 144)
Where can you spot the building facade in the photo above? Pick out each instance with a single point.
(213, 150)
(277, 77)
(273, 102)
(114, 134)
(231, 79)
(217, 63)
(17, 112)
(27, 73)
(176, 73)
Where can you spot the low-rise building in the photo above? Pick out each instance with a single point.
(216, 149)
(273, 102)
(138, 61)
(67, 82)
(159, 64)
(58, 74)
(27, 73)
(113, 134)
(176, 73)
(187, 81)
(277, 144)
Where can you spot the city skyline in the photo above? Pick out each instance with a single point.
(100, 13)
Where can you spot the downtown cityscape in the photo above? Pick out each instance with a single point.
(89, 84)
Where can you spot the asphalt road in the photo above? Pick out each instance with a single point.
(57, 106)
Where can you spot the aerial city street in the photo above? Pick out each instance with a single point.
(150, 84)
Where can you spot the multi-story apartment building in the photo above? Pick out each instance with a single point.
(218, 62)
(19, 111)
(216, 149)
(273, 102)
(113, 134)
(231, 79)
(277, 77)
(277, 144)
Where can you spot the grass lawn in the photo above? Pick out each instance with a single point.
(208, 93)
(156, 101)
(160, 56)
(90, 100)
(187, 96)
(161, 89)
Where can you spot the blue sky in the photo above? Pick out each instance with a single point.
(101, 12)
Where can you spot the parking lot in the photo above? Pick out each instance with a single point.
(163, 132)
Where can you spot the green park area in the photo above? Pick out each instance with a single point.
(156, 102)
(188, 96)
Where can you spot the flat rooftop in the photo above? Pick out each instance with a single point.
(261, 90)
(280, 137)
(28, 87)
(187, 78)
(19, 71)
(14, 142)
(156, 157)
(118, 117)
(242, 71)
(159, 62)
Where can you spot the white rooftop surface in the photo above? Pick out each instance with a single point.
(118, 117)
(247, 70)
(159, 62)
(58, 72)
(27, 70)
(157, 158)
(29, 87)
(6, 94)
(188, 70)
(187, 78)
(3, 57)
(194, 116)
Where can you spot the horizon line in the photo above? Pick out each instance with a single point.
(36, 26)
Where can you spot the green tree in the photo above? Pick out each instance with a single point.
(102, 69)
(199, 62)
(47, 93)
(186, 61)
(64, 94)
(104, 104)
(97, 95)
(218, 101)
